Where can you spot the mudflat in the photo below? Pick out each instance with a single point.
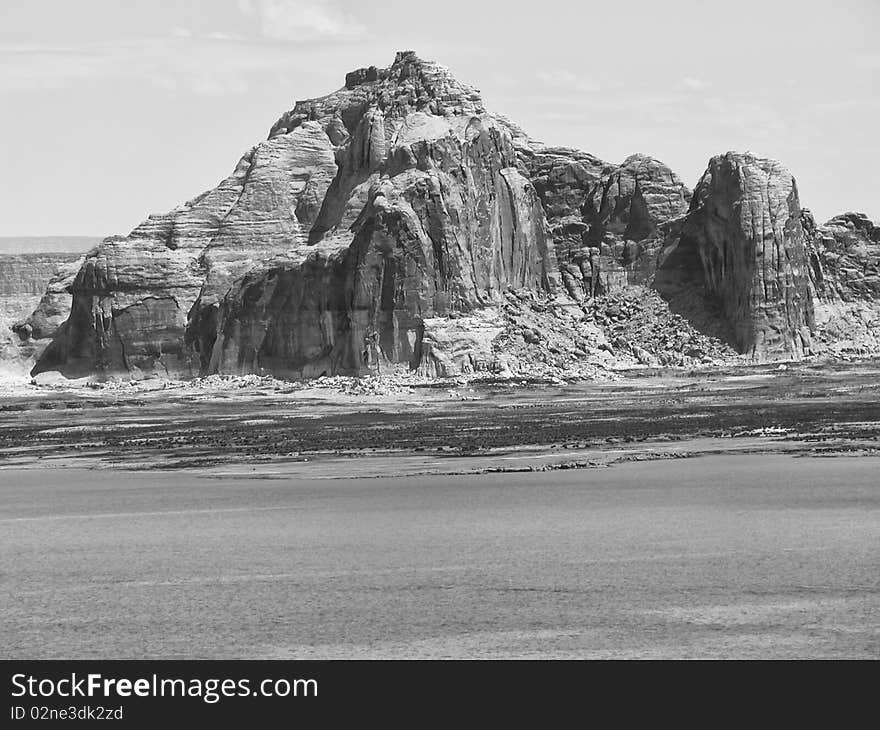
(278, 429)
(766, 555)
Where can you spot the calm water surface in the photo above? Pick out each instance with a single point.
(721, 556)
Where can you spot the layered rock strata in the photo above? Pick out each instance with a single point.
(27, 275)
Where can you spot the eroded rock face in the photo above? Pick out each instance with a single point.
(34, 302)
(845, 273)
(132, 295)
(634, 200)
(846, 258)
(395, 221)
(53, 308)
(745, 226)
(630, 214)
(27, 274)
(286, 179)
(427, 216)
(608, 222)
(136, 299)
(392, 201)
(564, 178)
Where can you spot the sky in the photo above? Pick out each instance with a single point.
(113, 110)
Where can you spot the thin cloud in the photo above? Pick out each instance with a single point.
(209, 64)
(869, 60)
(694, 84)
(563, 78)
(302, 20)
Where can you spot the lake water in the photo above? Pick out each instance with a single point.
(719, 556)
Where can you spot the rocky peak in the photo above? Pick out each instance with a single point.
(857, 223)
(845, 258)
(845, 275)
(409, 84)
(740, 171)
(634, 199)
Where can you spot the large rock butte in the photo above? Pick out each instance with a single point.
(745, 227)
(366, 213)
(388, 223)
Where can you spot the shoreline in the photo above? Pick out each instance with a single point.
(468, 428)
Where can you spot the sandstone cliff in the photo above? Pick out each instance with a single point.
(608, 222)
(845, 274)
(32, 284)
(398, 223)
(744, 227)
(395, 200)
(27, 274)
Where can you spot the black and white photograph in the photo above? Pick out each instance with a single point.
(335, 330)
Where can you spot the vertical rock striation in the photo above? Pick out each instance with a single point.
(745, 226)
(608, 221)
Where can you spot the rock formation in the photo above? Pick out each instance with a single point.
(27, 274)
(845, 274)
(398, 223)
(608, 222)
(366, 213)
(32, 284)
(744, 227)
(53, 308)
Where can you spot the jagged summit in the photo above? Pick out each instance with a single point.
(408, 85)
(857, 222)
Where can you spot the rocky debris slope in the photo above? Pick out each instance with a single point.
(640, 323)
(845, 274)
(558, 338)
(744, 227)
